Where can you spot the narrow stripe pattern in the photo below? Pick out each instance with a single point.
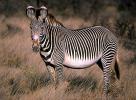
(58, 44)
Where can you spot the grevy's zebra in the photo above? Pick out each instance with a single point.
(79, 48)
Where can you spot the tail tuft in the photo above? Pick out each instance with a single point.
(116, 67)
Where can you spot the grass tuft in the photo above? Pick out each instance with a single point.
(12, 60)
(36, 80)
(79, 83)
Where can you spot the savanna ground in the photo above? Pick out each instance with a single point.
(23, 74)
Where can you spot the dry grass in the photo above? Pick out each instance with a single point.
(23, 75)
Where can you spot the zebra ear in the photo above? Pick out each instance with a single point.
(43, 12)
(30, 12)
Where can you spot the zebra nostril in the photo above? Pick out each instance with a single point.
(35, 37)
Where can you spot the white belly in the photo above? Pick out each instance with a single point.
(79, 63)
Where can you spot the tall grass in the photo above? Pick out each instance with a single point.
(23, 75)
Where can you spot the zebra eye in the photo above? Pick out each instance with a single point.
(40, 37)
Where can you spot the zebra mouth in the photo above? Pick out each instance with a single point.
(35, 49)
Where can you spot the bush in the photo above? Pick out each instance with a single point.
(127, 6)
(126, 30)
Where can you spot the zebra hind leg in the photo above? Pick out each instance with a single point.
(107, 74)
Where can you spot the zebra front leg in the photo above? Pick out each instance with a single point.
(59, 74)
(61, 83)
(51, 71)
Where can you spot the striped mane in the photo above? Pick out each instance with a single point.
(51, 20)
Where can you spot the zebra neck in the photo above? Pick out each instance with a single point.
(47, 43)
(46, 48)
(51, 21)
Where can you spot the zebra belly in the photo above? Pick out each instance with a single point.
(79, 63)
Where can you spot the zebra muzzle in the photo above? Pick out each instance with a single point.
(35, 48)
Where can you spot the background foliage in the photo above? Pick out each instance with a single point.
(98, 12)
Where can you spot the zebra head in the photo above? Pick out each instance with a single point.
(36, 15)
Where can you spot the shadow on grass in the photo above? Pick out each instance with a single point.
(30, 84)
(79, 84)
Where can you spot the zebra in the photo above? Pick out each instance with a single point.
(78, 49)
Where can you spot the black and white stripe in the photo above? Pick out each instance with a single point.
(79, 48)
(84, 44)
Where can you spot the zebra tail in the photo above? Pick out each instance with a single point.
(116, 68)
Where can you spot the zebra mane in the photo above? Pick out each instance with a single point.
(51, 20)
